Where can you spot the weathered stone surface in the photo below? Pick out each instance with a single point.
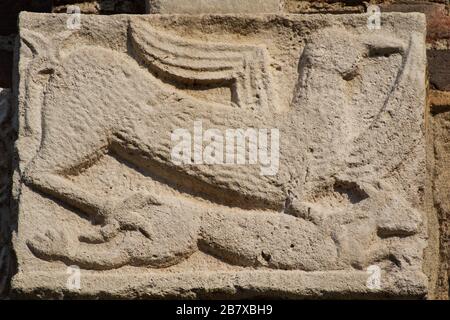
(101, 6)
(213, 6)
(97, 187)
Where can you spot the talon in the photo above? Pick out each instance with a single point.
(51, 243)
(110, 230)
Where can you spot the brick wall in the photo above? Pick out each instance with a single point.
(102, 6)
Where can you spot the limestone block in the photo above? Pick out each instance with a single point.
(213, 6)
(331, 206)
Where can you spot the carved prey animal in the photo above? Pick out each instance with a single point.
(99, 101)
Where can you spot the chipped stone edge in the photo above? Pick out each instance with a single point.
(291, 284)
(192, 285)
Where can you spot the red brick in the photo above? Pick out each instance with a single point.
(439, 69)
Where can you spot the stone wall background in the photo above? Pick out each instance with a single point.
(438, 40)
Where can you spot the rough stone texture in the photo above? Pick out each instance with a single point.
(96, 187)
(438, 42)
(101, 6)
(213, 6)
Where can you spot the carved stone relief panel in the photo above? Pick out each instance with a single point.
(335, 207)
